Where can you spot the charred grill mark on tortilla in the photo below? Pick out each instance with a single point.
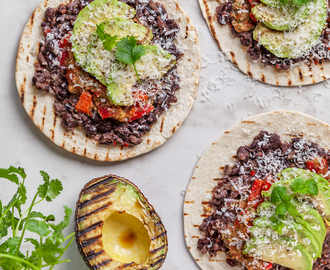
(34, 105)
(301, 77)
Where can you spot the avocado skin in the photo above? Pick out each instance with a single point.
(85, 25)
(98, 193)
(293, 44)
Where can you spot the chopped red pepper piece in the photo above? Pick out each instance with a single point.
(64, 58)
(114, 143)
(125, 144)
(85, 103)
(256, 190)
(317, 165)
(253, 173)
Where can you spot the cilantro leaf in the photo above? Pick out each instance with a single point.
(312, 187)
(50, 189)
(129, 52)
(298, 184)
(279, 194)
(37, 226)
(108, 41)
(281, 209)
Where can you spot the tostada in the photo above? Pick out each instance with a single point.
(108, 79)
(260, 196)
(280, 42)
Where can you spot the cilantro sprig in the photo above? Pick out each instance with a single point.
(48, 247)
(283, 200)
(128, 51)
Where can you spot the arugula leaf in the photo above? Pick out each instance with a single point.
(129, 52)
(108, 41)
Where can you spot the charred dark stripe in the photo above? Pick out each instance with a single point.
(91, 255)
(104, 181)
(81, 205)
(159, 235)
(90, 241)
(91, 213)
(125, 265)
(158, 223)
(90, 228)
(157, 249)
(161, 260)
(98, 266)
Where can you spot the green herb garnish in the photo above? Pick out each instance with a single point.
(108, 41)
(48, 246)
(297, 2)
(129, 52)
(282, 200)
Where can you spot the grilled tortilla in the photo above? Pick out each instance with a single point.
(39, 105)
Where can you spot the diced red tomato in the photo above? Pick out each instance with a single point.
(65, 41)
(105, 111)
(64, 58)
(85, 103)
(140, 111)
(253, 18)
(253, 173)
(266, 186)
(269, 266)
(319, 166)
(125, 144)
(254, 2)
(256, 190)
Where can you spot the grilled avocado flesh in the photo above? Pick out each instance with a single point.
(117, 228)
(298, 40)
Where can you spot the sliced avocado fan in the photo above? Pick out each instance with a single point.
(87, 19)
(283, 17)
(295, 42)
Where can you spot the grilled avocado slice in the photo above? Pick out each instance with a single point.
(117, 228)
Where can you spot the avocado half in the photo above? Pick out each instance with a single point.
(117, 228)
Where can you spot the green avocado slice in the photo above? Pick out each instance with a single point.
(291, 229)
(96, 53)
(283, 251)
(154, 65)
(283, 17)
(87, 19)
(297, 41)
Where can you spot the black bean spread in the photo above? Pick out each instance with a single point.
(57, 73)
(227, 228)
(241, 22)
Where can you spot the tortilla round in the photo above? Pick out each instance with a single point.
(223, 151)
(301, 74)
(39, 105)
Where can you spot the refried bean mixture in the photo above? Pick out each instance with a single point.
(236, 13)
(227, 227)
(57, 73)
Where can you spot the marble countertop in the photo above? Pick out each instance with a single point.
(225, 97)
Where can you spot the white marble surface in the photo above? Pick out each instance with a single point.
(225, 97)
